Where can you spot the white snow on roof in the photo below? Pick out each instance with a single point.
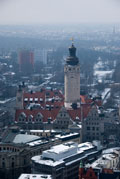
(106, 90)
(35, 131)
(25, 99)
(64, 136)
(58, 153)
(35, 176)
(24, 138)
(38, 159)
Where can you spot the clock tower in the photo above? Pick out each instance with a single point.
(72, 79)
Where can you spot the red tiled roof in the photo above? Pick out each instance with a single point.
(44, 95)
(81, 112)
(74, 114)
(45, 113)
(86, 100)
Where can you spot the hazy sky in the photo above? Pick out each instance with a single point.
(59, 11)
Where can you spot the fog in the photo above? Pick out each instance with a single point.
(59, 11)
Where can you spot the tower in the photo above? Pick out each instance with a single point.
(19, 96)
(26, 61)
(72, 79)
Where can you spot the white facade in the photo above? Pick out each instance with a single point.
(61, 151)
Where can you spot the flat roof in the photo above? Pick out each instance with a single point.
(24, 138)
(57, 154)
(35, 176)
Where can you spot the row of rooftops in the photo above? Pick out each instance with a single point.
(52, 114)
(52, 96)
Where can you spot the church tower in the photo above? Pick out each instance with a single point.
(72, 79)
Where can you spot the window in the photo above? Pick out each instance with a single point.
(97, 128)
(3, 164)
(88, 128)
(93, 128)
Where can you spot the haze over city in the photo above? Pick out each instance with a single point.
(59, 11)
(59, 89)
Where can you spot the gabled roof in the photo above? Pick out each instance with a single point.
(45, 113)
(76, 114)
(80, 113)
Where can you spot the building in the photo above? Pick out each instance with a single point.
(16, 150)
(49, 108)
(62, 161)
(93, 125)
(41, 55)
(26, 61)
(72, 79)
(107, 166)
(101, 125)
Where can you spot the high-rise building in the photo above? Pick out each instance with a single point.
(72, 79)
(26, 61)
(41, 55)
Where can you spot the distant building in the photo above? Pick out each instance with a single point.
(41, 55)
(62, 161)
(26, 61)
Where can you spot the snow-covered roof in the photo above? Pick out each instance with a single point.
(35, 176)
(65, 136)
(24, 138)
(57, 154)
(35, 131)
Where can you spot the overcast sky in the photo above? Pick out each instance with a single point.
(59, 11)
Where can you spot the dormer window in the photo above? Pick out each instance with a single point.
(31, 100)
(39, 117)
(36, 100)
(26, 100)
(22, 117)
(49, 120)
(30, 118)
